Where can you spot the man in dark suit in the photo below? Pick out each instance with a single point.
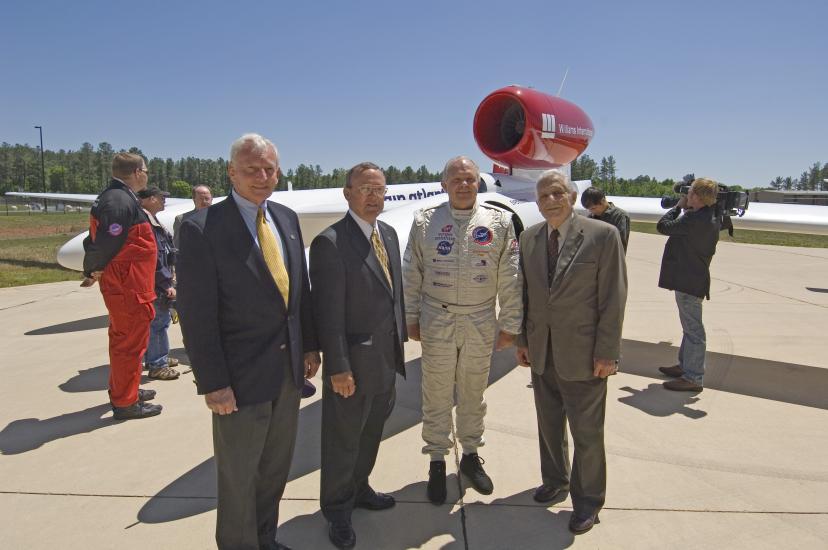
(202, 198)
(575, 291)
(246, 317)
(360, 319)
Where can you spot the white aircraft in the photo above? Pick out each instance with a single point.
(524, 132)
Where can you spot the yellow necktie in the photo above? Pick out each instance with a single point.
(272, 256)
(379, 250)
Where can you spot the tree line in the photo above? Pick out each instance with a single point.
(87, 170)
(812, 179)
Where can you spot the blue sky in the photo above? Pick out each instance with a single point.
(732, 90)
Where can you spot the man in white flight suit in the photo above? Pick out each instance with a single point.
(461, 258)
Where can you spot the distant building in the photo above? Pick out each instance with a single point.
(789, 197)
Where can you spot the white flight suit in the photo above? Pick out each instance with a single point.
(456, 264)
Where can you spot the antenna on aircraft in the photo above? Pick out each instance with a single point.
(560, 88)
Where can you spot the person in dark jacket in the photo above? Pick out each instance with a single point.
(594, 200)
(685, 268)
(120, 254)
(157, 360)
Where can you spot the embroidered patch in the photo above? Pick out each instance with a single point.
(442, 285)
(480, 262)
(482, 235)
(480, 278)
(444, 248)
(446, 228)
(115, 229)
(514, 245)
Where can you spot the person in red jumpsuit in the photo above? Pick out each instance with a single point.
(120, 256)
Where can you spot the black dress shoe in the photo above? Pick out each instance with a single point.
(436, 482)
(138, 410)
(372, 500)
(308, 389)
(472, 466)
(579, 525)
(342, 534)
(146, 395)
(548, 493)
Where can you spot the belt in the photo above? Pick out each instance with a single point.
(454, 308)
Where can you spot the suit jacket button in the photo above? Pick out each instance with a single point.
(283, 346)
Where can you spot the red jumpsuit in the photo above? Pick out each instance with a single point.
(122, 245)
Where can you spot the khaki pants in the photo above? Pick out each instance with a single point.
(456, 356)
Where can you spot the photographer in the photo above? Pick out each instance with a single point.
(685, 268)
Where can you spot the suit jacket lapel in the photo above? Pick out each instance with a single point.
(365, 250)
(241, 242)
(574, 238)
(392, 248)
(537, 255)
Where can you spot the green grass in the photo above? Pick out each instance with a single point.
(30, 261)
(29, 245)
(752, 236)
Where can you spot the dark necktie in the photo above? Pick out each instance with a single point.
(552, 254)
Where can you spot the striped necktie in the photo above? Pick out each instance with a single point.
(272, 255)
(551, 255)
(379, 250)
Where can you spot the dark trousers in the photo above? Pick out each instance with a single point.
(253, 449)
(351, 435)
(582, 403)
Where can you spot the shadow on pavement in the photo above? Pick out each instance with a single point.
(200, 481)
(28, 434)
(657, 401)
(774, 380)
(92, 379)
(394, 528)
(91, 323)
(530, 525)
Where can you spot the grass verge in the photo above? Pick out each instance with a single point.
(752, 236)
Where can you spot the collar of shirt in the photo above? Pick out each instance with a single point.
(366, 227)
(463, 215)
(563, 230)
(249, 211)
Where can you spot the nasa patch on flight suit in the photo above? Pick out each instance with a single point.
(482, 235)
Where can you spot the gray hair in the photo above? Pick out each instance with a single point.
(553, 176)
(251, 142)
(457, 160)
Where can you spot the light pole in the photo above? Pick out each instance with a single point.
(42, 170)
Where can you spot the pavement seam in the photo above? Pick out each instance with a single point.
(460, 502)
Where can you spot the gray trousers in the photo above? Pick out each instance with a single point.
(351, 435)
(582, 403)
(456, 358)
(253, 449)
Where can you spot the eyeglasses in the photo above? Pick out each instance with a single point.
(376, 191)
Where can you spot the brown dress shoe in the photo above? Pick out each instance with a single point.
(673, 372)
(680, 384)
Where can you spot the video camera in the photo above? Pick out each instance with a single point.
(728, 203)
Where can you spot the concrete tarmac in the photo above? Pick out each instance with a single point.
(743, 464)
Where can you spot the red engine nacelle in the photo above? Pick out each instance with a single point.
(523, 128)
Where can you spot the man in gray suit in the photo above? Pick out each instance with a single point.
(575, 290)
(360, 319)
